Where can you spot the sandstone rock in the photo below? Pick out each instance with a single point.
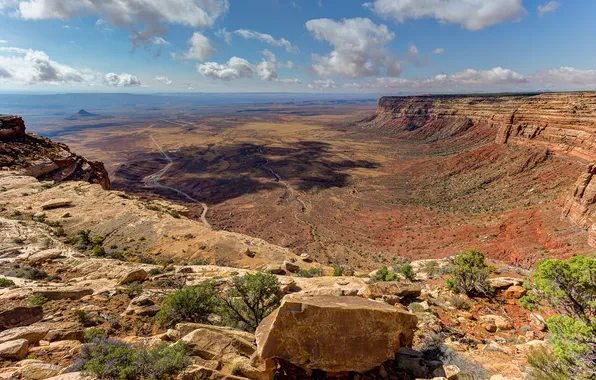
(132, 276)
(334, 334)
(210, 344)
(37, 370)
(538, 321)
(199, 372)
(186, 328)
(147, 311)
(56, 203)
(33, 334)
(274, 269)
(450, 372)
(291, 267)
(11, 127)
(20, 316)
(14, 349)
(504, 282)
(184, 270)
(515, 292)
(41, 167)
(72, 376)
(393, 288)
(43, 256)
(142, 300)
(173, 335)
(73, 293)
(501, 323)
(65, 334)
(211, 364)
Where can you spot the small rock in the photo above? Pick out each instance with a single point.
(56, 203)
(43, 256)
(184, 270)
(65, 334)
(274, 269)
(291, 267)
(142, 300)
(147, 311)
(515, 292)
(450, 372)
(73, 293)
(173, 335)
(20, 316)
(132, 276)
(33, 334)
(538, 321)
(504, 282)
(66, 215)
(14, 349)
(501, 323)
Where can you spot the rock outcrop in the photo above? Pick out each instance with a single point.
(334, 334)
(44, 159)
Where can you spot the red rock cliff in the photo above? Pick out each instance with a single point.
(44, 159)
(563, 123)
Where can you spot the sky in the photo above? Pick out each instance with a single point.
(376, 46)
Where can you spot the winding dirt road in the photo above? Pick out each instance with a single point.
(153, 180)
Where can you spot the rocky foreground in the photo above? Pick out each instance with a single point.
(78, 260)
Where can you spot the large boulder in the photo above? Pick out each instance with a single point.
(132, 276)
(33, 334)
(394, 288)
(20, 316)
(71, 292)
(14, 349)
(11, 127)
(333, 334)
(43, 256)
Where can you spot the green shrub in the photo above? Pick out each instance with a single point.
(543, 367)
(84, 236)
(35, 300)
(570, 288)
(312, 272)
(189, 304)
(431, 268)
(98, 251)
(59, 231)
(94, 333)
(133, 289)
(6, 283)
(250, 299)
(407, 271)
(337, 271)
(384, 274)
(469, 274)
(459, 302)
(199, 261)
(154, 272)
(111, 359)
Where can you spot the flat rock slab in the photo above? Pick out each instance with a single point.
(56, 203)
(33, 334)
(63, 293)
(43, 256)
(333, 334)
(20, 316)
(14, 349)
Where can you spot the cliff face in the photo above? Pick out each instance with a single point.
(42, 158)
(562, 123)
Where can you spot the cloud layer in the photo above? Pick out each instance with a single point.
(470, 14)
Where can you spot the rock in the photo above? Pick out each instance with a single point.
(37, 370)
(274, 269)
(142, 300)
(73, 293)
(515, 292)
(147, 311)
(291, 267)
(504, 282)
(43, 256)
(394, 288)
(132, 276)
(11, 127)
(14, 349)
(186, 328)
(501, 323)
(249, 253)
(489, 326)
(184, 270)
(20, 316)
(538, 321)
(72, 376)
(173, 335)
(210, 344)
(450, 372)
(65, 334)
(333, 334)
(56, 203)
(306, 257)
(33, 334)
(199, 372)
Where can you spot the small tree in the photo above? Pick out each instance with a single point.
(407, 271)
(469, 274)
(384, 274)
(570, 288)
(189, 304)
(250, 299)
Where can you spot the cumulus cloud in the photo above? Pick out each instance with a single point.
(200, 48)
(358, 48)
(26, 66)
(164, 80)
(565, 76)
(223, 33)
(282, 42)
(235, 68)
(3, 42)
(288, 80)
(439, 51)
(121, 80)
(151, 15)
(320, 84)
(551, 6)
(471, 14)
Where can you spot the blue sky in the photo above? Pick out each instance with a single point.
(386, 46)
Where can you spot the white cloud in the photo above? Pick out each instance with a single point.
(159, 41)
(235, 68)
(200, 47)
(26, 66)
(565, 76)
(551, 6)
(471, 14)
(282, 42)
(320, 85)
(223, 33)
(3, 42)
(121, 80)
(288, 80)
(496, 75)
(439, 51)
(152, 15)
(358, 48)
(164, 80)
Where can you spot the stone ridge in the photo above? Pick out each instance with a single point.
(44, 159)
(562, 123)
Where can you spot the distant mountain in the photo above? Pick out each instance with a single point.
(82, 114)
